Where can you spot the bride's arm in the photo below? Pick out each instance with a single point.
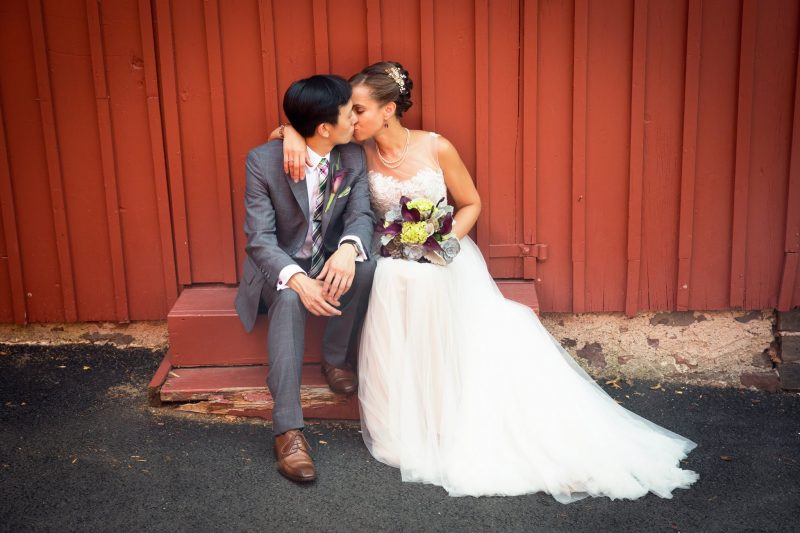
(295, 155)
(460, 186)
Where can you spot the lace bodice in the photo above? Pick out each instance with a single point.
(419, 175)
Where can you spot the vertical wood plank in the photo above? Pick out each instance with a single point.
(172, 138)
(157, 147)
(481, 114)
(8, 212)
(792, 238)
(321, 56)
(268, 63)
(427, 62)
(742, 173)
(107, 160)
(374, 31)
(689, 161)
(219, 129)
(530, 98)
(579, 106)
(638, 80)
(53, 161)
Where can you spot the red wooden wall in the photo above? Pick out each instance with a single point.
(652, 146)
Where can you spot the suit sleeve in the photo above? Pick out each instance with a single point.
(359, 220)
(259, 225)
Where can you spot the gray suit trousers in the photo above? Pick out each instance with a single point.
(286, 341)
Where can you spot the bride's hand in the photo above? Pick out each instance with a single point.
(295, 155)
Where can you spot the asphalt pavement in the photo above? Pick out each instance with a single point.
(80, 450)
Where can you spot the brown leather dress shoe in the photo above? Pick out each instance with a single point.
(341, 380)
(294, 459)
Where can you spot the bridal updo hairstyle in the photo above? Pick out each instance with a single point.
(314, 101)
(388, 82)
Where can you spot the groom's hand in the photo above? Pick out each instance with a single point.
(338, 273)
(310, 292)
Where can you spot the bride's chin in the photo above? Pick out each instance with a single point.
(360, 137)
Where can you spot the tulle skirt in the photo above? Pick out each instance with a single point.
(462, 388)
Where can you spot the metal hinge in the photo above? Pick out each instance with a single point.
(539, 251)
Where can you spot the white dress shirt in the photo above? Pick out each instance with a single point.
(312, 182)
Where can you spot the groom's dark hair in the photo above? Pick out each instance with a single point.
(314, 101)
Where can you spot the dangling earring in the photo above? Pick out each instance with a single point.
(385, 123)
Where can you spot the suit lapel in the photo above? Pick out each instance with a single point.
(300, 192)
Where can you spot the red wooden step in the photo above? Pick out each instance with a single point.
(204, 329)
(242, 391)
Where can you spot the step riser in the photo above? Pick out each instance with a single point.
(222, 340)
(204, 329)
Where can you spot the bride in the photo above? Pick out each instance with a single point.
(458, 386)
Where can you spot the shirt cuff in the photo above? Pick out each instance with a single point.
(285, 275)
(361, 255)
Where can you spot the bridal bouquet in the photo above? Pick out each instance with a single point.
(419, 231)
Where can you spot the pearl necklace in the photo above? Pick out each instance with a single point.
(398, 162)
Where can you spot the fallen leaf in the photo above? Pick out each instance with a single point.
(323, 442)
(656, 387)
(62, 366)
(726, 457)
(3, 353)
(74, 460)
(614, 383)
(678, 392)
(173, 374)
(87, 367)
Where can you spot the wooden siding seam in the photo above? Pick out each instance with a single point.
(268, 63)
(53, 160)
(579, 127)
(157, 149)
(374, 31)
(321, 52)
(689, 159)
(636, 169)
(742, 169)
(427, 61)
(10, 231)
(530, 96)
(220, 135)
(107, 159)
(792, 237)
(172, 137)
(481, 116)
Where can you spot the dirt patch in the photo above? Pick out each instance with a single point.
(126, 391)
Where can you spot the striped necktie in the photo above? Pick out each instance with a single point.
(317, 252)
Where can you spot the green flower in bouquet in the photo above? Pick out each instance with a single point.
(414, 233)
(423, 205)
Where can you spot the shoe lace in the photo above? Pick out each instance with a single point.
(297, 443)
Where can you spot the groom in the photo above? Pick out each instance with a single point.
(306, 253)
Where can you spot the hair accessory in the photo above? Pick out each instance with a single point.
(398, 77)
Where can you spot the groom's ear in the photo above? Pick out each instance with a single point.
(323, 130)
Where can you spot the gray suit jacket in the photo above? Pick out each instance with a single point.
(277, 217)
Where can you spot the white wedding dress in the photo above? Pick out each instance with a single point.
(462, 388)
